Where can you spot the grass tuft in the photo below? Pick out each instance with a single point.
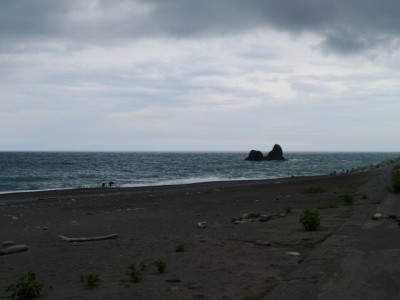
(90, 279)
(134, 273)
(161, 265)
(27, 287)
(310, 220)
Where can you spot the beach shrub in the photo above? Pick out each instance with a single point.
(314, 190)
(134, 273)
(161, 265)
(396, 182)
(27, 287)
(90, 279)
(180, 248)
(310, 220)
(348, 200)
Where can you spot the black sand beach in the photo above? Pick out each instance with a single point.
(224, 260)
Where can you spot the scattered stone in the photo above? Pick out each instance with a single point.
(173, 279)
(202, 224)
(377, 216)
(240, 222)
(90, 213)
(293, 253)
(8, 243)
(251, 217)
(45, 228)
(265, 218)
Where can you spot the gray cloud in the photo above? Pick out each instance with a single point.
(345, 26)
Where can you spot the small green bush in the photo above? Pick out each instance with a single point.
(310, 220)
(314, 190)
(396, 182)
(134, 273)
(161, 265)
(180, 248)
(28, 287)
(90, 279)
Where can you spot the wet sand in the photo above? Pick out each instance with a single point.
(224, 260)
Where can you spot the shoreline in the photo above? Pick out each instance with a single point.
(223, 260)
(9, 196)
(48, 185)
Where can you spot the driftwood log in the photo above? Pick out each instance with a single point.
(14, 249)
(89, 239)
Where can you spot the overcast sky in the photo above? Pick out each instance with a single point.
(236, 75)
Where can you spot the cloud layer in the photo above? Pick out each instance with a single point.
(345, 26)
(199, 75)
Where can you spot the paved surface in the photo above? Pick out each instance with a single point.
(361, 260)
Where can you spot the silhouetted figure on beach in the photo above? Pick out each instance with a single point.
(111, 183)
(103, 185)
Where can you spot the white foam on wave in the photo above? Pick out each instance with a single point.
(191, 180)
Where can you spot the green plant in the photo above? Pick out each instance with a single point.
(314, 190)
(396, 182)
(348, 200)
(161, 265)
(28, 287)
(310, 220)
(90, 279)
(180, 248)
(134, 273)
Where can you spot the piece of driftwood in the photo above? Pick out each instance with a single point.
(14, 249)
(89, 239)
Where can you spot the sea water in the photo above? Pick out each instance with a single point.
(30, 171)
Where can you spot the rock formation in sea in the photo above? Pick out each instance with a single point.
(275, 154)
(255, 155)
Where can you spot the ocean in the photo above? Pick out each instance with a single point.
(33, 171)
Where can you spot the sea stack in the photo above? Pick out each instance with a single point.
(275, 154)
(255, 155)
